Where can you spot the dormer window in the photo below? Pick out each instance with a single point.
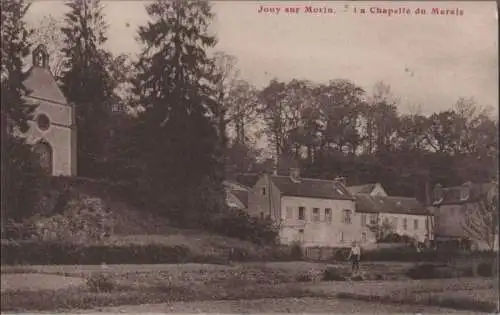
(464, 194)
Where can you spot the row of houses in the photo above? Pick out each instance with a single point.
(328, 213)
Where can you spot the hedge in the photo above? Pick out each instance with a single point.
(59, 253)
(56, 253)
(408, 255)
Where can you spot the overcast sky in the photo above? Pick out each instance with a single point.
(429, 60)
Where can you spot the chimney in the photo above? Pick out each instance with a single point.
(341, 180)
(295, 174)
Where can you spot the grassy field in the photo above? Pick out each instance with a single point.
(474, 294)
(150, 284)
(285, 305)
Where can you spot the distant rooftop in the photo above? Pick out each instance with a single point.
(452, 195)
(389, 204)
(361, 189)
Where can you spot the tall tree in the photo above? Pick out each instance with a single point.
(243, 103)
(226, 75)
(340, 104)
(21, 174)
(15, 47)
(380, 119)
(481, 218)
(86, 79)
(275, 115)
(177, 133)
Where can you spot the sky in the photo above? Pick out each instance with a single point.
(430, 61)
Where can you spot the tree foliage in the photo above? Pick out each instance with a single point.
(337, 129)
(176, 135)
(21, 173)
(15, 47)
(86, 78)
(481, 219)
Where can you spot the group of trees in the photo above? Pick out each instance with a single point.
(176, 139)
(338, 129)
(192, 116)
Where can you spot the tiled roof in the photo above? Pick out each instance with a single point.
(247, 179)
(312, 188)
(390, 204)
(41, 84)
(451, 195)
(232, 200)
(361, 189)
(231, 184)
(242, 196)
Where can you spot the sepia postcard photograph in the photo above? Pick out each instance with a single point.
(249, 157)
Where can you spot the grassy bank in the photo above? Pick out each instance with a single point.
(467, 295)
(81, 298)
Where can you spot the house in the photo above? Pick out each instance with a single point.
(405, 216)
(313, 212)
(52, 130)
(451, 206)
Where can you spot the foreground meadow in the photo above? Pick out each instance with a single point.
(191, 287)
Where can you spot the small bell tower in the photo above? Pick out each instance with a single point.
(40, 57)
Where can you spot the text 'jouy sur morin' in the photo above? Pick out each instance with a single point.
(358, 10)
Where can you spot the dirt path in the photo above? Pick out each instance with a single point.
(288, 305)
(34, 282)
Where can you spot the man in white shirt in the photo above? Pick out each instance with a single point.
(355, 256)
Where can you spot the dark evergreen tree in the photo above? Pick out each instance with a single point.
(15, 47)
(176, 136)
(86, 79)
(21, 174)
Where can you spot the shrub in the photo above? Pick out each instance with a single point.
(341, 254)
(58, 253)
(239, 224)
(84, 220)
(100, 283)
(391, 238)
(467, 272)
(239, 254)
(399, 254)
(26, 179)
(430, 271)
(19, 230)
(296, 252)
(333, 274)
(304, 277)
(280, 253)
(485, 269)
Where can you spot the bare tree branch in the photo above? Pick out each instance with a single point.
(481, 219)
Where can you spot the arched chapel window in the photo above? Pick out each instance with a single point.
(45, 155)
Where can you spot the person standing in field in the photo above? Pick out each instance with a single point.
(355, 256)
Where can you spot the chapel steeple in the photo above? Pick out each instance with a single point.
(40, 57)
